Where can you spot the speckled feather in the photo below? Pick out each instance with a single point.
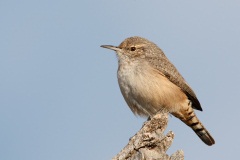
(159, 61)
(149, 82)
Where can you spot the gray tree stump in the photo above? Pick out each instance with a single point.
(150, 143)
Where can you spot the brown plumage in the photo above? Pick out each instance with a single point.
(149, 83)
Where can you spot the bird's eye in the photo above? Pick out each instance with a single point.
(133, 48)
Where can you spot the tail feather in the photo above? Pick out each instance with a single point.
(201, 131)
(189, 118)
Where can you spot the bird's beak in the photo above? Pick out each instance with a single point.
(111, 47)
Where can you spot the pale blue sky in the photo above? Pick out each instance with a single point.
(59, 96)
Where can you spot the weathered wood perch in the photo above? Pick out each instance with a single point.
(150, 143)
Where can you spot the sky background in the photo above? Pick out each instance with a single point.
(59, 96)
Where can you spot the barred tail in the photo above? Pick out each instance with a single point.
(200, 130)
(190, 119)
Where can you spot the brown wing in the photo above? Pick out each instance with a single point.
(170, 71)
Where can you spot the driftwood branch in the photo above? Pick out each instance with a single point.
(150, 143)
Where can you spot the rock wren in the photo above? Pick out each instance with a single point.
(149, 82)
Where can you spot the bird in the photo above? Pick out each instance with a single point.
(149, 83)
